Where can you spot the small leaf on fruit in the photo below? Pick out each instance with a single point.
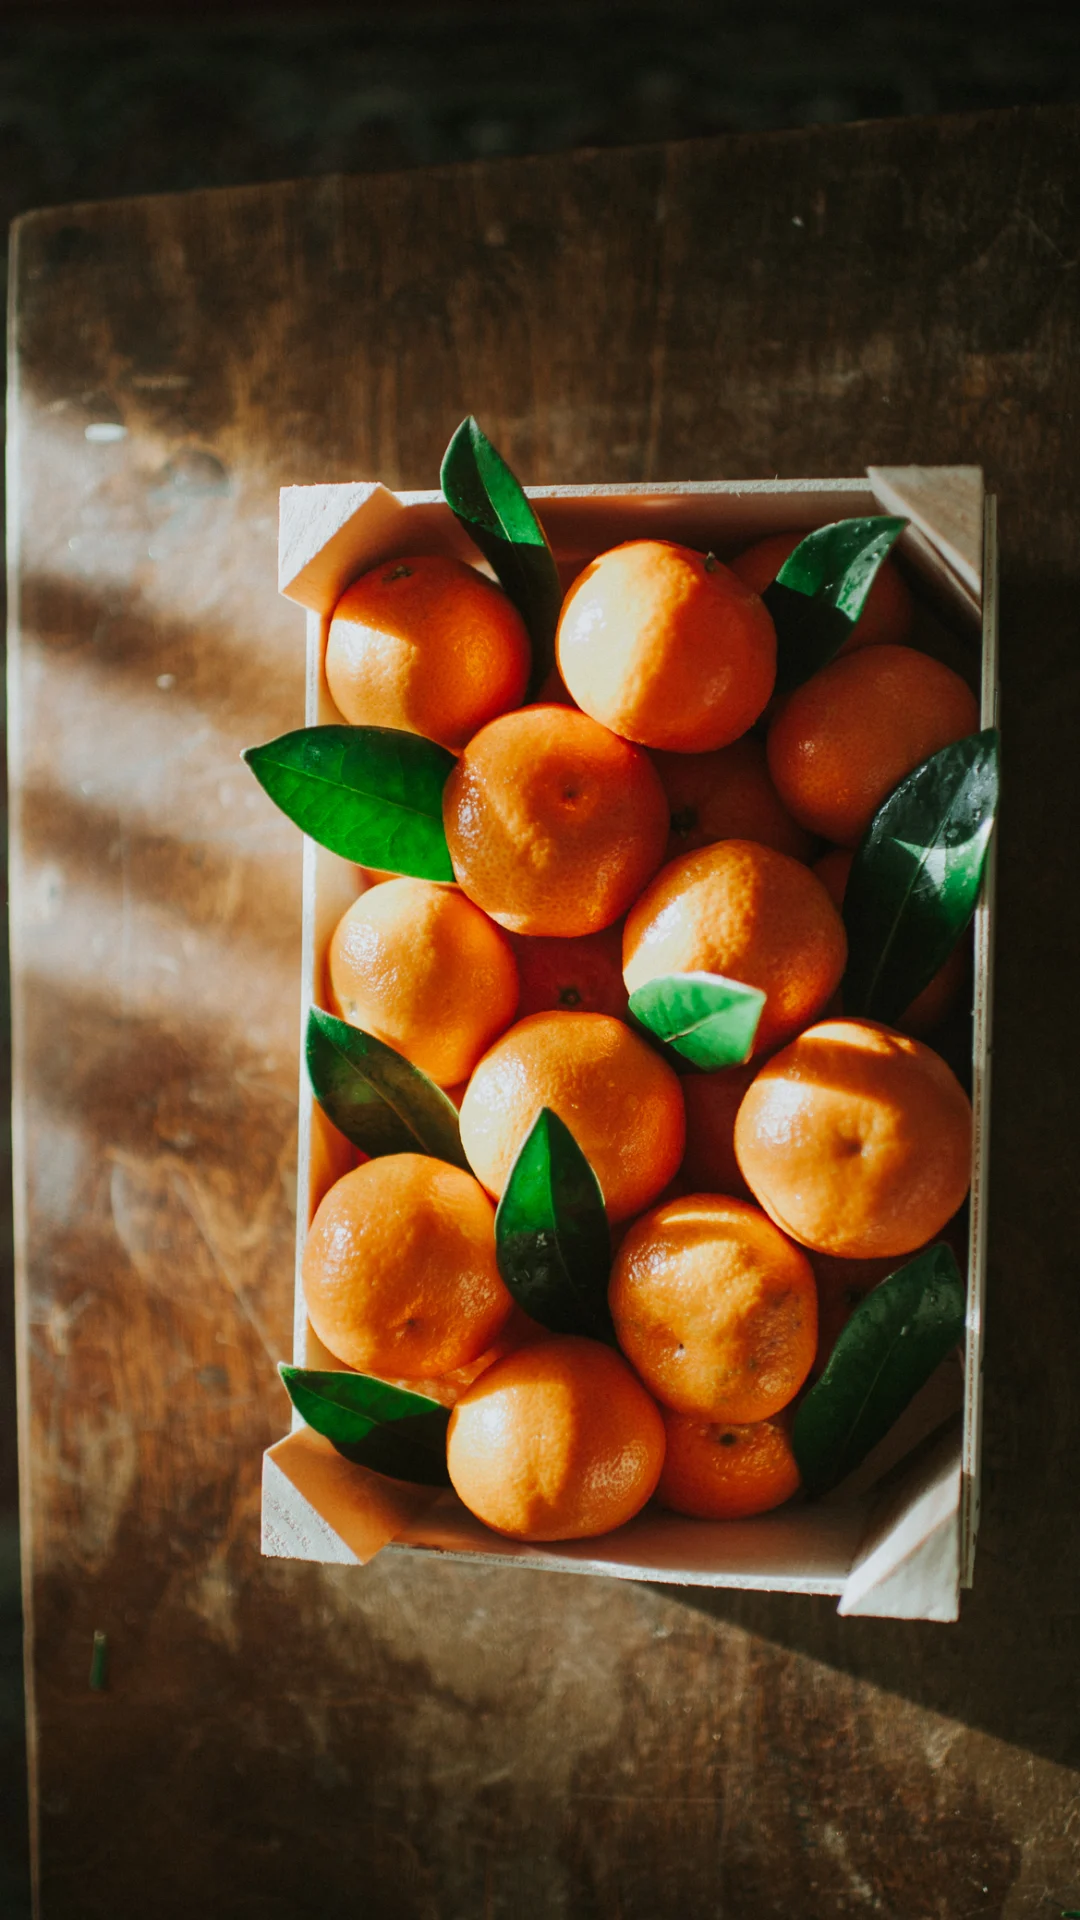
(894, 1341)
(551, 1233)
(916, 875)
(370, 794)
(821, 590)
(384, 1428)
(375, 1097)
(709, 1020)
(490, 504)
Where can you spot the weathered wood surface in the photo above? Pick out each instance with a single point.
(431, 1740)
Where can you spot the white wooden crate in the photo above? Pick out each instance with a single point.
(898, 1538)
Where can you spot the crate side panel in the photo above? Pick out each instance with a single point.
(364, 524)
(982, 1058)
(801, 1550)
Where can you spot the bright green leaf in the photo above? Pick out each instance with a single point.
(485, 497)
(375, 1097)
(916, 875)
(551, 1233)
(385, 1428)
(709, 1020)
(894, 1341)
(821, 590)
(370, 794)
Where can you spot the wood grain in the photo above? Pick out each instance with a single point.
(427, 1739)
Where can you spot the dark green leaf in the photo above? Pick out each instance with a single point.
(371, 794)
(483, 494)
(709, 1020)
(893, 1342)
(551, 1233)
(99, 1661)
(378, 1426)
(375, 1097)
(821, 590)
(916, 875)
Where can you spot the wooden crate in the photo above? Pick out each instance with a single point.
(898, 1538)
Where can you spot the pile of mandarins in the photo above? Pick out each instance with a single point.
(655, 812)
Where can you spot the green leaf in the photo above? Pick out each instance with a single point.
(99, 1661)
(551, 1233)
(378, 1426)
(709, 1020)
(893, 1342)
(375, 1097)
(821, 590)
(371, 794)
(484, 496)
(916, 876)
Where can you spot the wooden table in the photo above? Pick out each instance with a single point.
(439, 1741)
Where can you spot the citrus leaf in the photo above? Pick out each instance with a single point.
(709, 1020)
(821, 590)
(371, 794)
(385, 1428)
(551, 1233)
(893, 1342)
(484, 496)
(375, 1097)
(916, 875)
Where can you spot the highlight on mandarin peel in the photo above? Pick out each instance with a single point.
(428, 645)
(399, 1269)
(753, 915)
(558, 1442)
(667, 647)
(419, 967)
(856, 1140)
(621, 1101)
(715, 1308)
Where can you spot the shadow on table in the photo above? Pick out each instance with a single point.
(14, 1870)
(1011, 1666)
(1013, 1672)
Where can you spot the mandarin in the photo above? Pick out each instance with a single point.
(399, 1268)
(715, 1308)
(725, 1472)
(842, 1286)
(712, 1100)
(749, 913)
(940, 994)
(557, 1442)
(620, 1100)
(421, 968)
(840, 743)
(856, 1140)
(448, 1388)
(727, 795)
(571, 976)
(888, 612)
(554, 825)
(552, 691)
(428, 645)
(666, 646)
